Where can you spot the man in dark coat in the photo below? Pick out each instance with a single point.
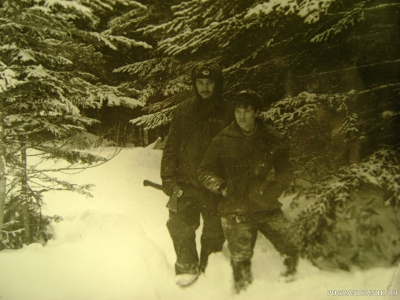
(248, 164)
(195, 123)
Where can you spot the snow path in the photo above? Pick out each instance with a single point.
(116, 246)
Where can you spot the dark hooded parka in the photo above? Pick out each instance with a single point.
(194, 124)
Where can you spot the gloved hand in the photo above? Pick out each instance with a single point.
(229, 190)
(223, 188)
(169, 186)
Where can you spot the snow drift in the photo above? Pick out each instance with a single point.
(116, 246)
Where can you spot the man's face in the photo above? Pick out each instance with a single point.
(246, 118)
(205, 87)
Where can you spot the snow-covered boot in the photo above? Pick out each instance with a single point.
(186, 273)
(289, 270)
(242, 274)
(185, 279)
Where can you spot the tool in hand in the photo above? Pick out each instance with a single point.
(173, 199)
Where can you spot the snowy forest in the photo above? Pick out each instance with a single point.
(79, 74)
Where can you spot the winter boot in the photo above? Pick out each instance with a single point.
(185, 279)
(242, 274)
(289, 270)
(186, 274)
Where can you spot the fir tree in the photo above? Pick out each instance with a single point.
(51, 69)
(278, 48)
(328, 72)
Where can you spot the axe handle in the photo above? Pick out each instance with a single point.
(152, 184)
(173, 200)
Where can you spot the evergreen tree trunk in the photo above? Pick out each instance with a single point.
(143, 139)
(2, 169)
(24, 196)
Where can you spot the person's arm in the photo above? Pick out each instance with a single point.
(283, 167)
(169, 161)
(210, 169)
(283, 173)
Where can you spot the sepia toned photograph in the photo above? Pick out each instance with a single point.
(199, 149)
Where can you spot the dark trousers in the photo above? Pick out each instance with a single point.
(241, 234)
(182, 226)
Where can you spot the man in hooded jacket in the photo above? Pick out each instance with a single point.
(194, 124)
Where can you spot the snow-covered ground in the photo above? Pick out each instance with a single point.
(115, 246)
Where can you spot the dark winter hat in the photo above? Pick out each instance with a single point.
(208, 70)
(246, 98)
